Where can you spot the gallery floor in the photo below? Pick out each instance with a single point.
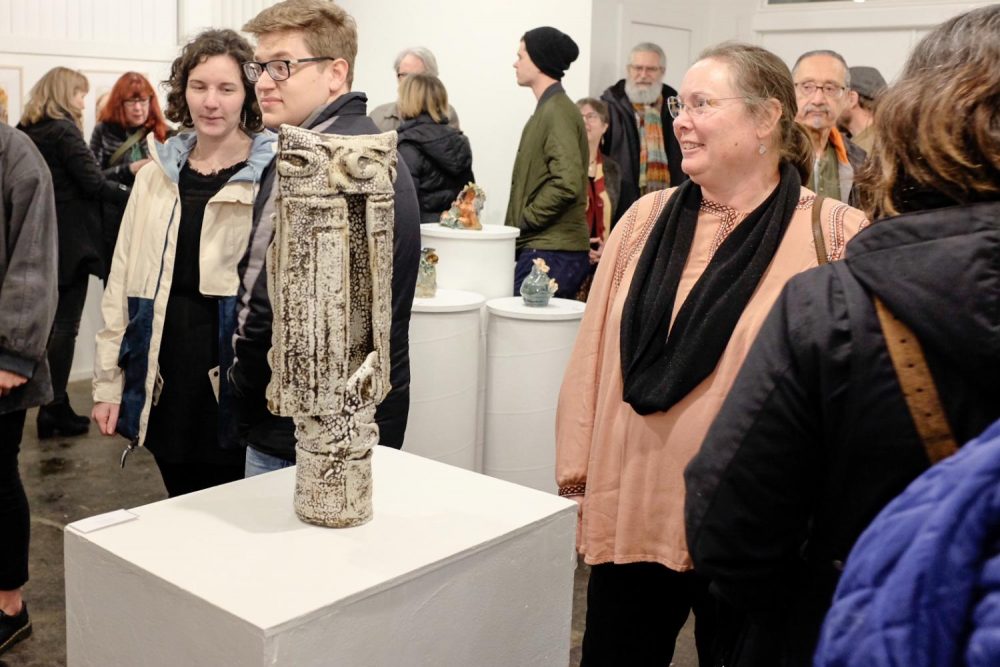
(71, 478)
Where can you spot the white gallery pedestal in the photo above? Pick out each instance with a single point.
(480, 261)
(455, 569)
(445, 335)
(527, 349)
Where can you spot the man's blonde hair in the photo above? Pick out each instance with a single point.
(52, 97)
(326, 28)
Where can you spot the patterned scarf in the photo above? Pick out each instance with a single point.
(653, 173)
(598, 203)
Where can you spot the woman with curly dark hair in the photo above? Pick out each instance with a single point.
(160, 377)
(130, 112)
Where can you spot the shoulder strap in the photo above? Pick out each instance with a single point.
(127, 144)
(918, 386)
(817, 223)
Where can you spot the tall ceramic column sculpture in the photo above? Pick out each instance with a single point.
(330, 280)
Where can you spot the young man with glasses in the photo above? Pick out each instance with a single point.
(303, 69)
(639, 137)
(821, 81)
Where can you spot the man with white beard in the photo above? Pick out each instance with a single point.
(821, 83)
(640, 137)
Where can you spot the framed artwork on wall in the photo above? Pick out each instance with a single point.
(12, 82)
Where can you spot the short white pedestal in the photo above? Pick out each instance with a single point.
(480, 261)
(455, 569)
(527, 349)
(444, 377)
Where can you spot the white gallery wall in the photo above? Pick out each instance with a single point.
(475, 44)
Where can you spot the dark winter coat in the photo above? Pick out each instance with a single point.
(27, 268)
(440, 162)
(621, 143)
(920, 588)
(79, 189)
(104, 141)
(815, 437)
(251, 373)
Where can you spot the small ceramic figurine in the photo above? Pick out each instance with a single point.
(538, 288)
(427, 274)
(464, 212)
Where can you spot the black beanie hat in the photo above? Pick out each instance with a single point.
(551, 50)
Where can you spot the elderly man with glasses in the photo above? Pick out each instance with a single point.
(821, 82)
(412, 60)
(639, 137)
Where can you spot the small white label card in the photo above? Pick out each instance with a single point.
(93, 523)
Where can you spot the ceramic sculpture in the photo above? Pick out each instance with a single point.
(464, 212)
(537, 288)
(330, 280)
(427, 274)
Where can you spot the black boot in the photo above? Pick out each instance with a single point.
(14, 628)
(59, 419)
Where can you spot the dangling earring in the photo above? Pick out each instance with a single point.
(761, 149)
(243, 120)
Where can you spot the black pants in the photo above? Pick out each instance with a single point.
(181, 478)
(15, 522)
(635, 612)
(62, 340)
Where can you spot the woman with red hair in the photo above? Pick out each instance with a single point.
(130, 113)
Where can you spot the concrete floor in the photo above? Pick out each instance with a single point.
(68, 479)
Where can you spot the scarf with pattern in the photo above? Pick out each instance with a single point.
(653, 173)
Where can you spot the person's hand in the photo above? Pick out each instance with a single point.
(137, 165)
(579, 519)
(10, 381)
(105, 415)
(596, 249)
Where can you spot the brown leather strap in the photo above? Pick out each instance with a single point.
(818, 240)
(918, 386)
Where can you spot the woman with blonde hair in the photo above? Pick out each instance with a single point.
(438, 155)
(130, 113)
(53, 119)
(684, 284)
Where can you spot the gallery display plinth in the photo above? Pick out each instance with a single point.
(480, 261)
(455, 568)
(445, 334)
(527, 352)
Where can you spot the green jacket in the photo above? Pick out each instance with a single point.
(548, 189)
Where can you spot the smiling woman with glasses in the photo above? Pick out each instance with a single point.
(684, 283)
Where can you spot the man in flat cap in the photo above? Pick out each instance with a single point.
(866, 85)
(548, 189)
(640, 137)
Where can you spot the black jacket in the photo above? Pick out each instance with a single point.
(251, 373)
(79, 188)
(28, 293)
(815, 437)
(621, 143)
(440, 162)
(104, 141)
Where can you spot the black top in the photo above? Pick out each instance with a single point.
(183, 424)
(815, 437)
(79, 188)
(440, 162)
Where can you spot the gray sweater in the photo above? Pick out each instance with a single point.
(28, 255)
